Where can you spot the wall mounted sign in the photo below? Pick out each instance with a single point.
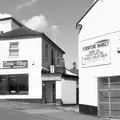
(50, 77)
(15, 64)
(95, 52)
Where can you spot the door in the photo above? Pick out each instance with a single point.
(109, 97)
(48, 92)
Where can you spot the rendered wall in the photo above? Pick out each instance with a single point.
(101, 22)
(46, 62)
(103, 18)
(29, 49)
(68, 91)
(58, 90)
(5, 26)
(88, 75)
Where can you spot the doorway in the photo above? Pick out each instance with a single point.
(48, 91)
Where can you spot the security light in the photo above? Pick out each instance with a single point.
(78, 26)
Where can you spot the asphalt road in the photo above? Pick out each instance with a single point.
(11, 114)
(22, 111)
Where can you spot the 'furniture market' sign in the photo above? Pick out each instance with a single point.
(95, 52)
(15, 64)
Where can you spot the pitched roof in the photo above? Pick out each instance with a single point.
(25, 32)
(12, 18)
(86, 12)
(19, 32)
(68, 72)
(75, 71)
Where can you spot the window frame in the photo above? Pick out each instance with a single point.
(46, 51)
(58, 59)
(13, 49)
(16, 85)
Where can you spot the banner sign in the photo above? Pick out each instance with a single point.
(50, 77)
(15, 64)
(95, 52)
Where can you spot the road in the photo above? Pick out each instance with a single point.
(11, 114)
(23, 111)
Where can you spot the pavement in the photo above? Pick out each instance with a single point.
(44, 111)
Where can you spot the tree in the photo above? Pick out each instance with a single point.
(74, 65)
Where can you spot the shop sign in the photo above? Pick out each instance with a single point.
(15, 64)
(50, 78)
(95, 52)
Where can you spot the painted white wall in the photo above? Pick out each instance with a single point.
(88, 75)
(103, 18)
(5, 26)
(58, 90)
(68, 91)
(101, 22)
(29, 49)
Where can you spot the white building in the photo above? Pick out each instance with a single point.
(99, 58)
(20, 64)
(9, 23)
(32, 69)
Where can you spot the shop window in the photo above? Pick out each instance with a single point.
(2, 85)
(13, 49)
(46, 51)
(14, 84)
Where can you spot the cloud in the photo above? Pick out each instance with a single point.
(55, 32)
(26, 3)
(54, 27)
(5, 15)
(38, 23)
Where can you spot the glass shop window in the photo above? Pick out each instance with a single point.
(14, 84)
(13, 49)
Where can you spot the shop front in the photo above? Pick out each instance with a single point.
(14, 84)
(19, 79)
(60, 89)
(49, 82)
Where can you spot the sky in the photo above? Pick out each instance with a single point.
(56, 18)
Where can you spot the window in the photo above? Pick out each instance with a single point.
(14, 84)
(58, 59)
(46, 51)
(13, 49)
(1, 32)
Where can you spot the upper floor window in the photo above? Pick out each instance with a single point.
(1, 32)
(46, 50)
(58, 59)
(13, 49)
